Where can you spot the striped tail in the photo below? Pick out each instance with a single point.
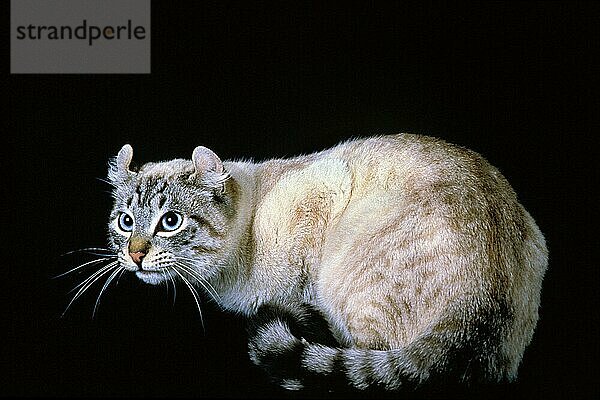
(297, 350)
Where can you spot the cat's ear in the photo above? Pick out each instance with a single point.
(205, 160)
(209, 168)
(118, 169)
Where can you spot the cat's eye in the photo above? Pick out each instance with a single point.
(170, 222)
(125, 222)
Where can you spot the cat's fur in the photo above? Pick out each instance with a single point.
(414, 252)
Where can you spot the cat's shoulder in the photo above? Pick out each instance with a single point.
(325, 179)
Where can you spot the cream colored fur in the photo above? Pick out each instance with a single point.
(387, 236)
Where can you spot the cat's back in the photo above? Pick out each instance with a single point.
(436, 183)
(409, 162)
(375, 175)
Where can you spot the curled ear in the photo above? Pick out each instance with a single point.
(118, 169)
(205, 160)
(209, 167)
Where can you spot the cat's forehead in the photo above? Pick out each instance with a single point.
(154, 184)
(165, 170)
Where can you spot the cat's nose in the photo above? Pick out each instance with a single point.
(138, 248)
(137, 257)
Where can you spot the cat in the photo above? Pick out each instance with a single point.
(387, 261)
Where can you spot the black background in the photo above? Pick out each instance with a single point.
(513, 81)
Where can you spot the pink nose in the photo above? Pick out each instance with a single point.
(137, 257)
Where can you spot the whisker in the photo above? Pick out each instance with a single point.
(186, 258)
(112, 255)
(166, 281)
(106, 181)
(87, 249)
(192, 263)
(110, 278)
(173, 282)
(90, 281)
(194, 293)
(101, 270)
(195, 269)
(92, 278)
(96, 261)
(215, 296)
(120, 275)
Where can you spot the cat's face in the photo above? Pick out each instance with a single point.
(170, 220)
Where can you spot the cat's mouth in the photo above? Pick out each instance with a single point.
(151, 277)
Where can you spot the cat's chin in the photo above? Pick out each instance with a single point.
(150, 277)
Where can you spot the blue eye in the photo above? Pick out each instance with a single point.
(170, 221)
(125, 222)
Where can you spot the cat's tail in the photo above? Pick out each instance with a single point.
(285, 345)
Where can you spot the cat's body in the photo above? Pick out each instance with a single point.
(415, 252)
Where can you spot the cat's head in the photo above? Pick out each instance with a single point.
(171, 219)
